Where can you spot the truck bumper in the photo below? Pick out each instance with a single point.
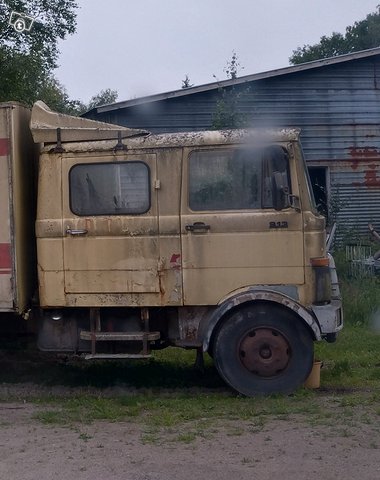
(330, 316)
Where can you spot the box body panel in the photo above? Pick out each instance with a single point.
(18, 161)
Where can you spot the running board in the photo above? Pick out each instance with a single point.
(114, 356)
(119, 336)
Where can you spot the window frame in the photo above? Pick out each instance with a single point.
(113, 214)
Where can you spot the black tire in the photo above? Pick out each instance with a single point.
(263, 349)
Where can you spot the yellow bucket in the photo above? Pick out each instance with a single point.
(314, 379)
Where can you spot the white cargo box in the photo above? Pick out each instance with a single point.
(17, 208)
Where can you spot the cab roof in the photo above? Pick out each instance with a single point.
(76, 134)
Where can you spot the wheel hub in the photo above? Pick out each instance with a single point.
(265, 352)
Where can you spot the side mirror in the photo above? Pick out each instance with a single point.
(280, 192)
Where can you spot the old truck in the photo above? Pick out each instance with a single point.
(120, 242)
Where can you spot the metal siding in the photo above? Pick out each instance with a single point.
(356, 194)
(173, 115)
(336, 106)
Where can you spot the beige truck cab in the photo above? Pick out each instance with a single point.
(207, 240)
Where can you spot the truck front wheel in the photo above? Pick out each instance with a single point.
(263, 349)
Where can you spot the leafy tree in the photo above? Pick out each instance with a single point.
(53, 20)
(227, 113)
(28, 57)
(361, 35)
(54, 94)
(104, 97)
(20, 75)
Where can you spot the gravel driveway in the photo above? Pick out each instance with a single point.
(286, 449)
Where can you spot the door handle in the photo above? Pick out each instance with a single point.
(197, 226)
(73, 231)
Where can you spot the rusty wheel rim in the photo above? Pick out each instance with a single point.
(264, 352)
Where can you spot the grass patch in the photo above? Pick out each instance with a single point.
(353, 362)
(349, 394)
(172, 409)
(171, 401)
(176, 416)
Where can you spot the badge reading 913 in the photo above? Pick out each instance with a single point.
(278, 225)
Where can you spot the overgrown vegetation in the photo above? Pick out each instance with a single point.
(353, 362)
(227, 112)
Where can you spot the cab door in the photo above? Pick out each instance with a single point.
(231, 235)
(110, 219)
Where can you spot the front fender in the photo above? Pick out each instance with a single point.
(207, 327)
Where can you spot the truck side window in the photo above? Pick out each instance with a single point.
(235, 179)
(110, 188)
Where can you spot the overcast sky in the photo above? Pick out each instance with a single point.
(144, 47)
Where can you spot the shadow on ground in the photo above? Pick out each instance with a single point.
(21, 362)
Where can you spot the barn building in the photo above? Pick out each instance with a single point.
(335, 102)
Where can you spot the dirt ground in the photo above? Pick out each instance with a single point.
(289, 448)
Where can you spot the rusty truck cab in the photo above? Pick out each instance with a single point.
(207, 240)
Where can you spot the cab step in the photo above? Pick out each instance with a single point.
(114, 356)
(119, 336)
(96, 334)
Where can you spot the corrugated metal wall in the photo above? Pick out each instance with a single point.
(336, 106)
(355, 194)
